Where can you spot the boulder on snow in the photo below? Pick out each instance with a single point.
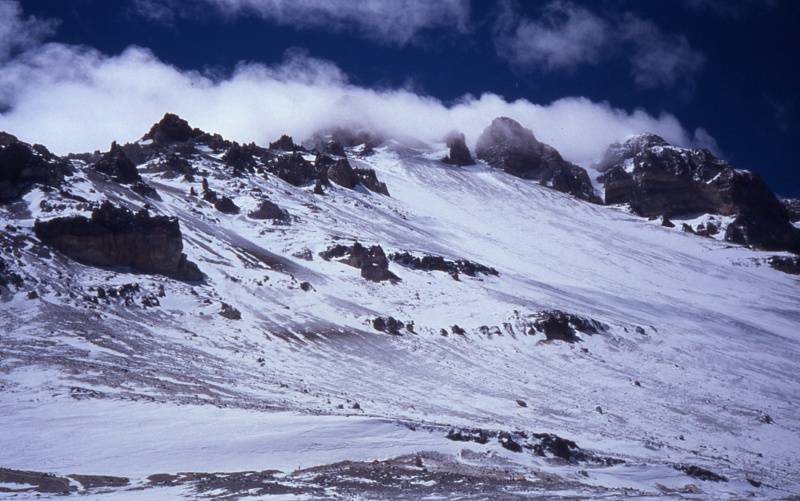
(226, 205)
(116, 237)
(229, 312)
(389, 325)
(370, 260)
(269, 210)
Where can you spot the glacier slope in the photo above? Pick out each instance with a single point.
(702, 342)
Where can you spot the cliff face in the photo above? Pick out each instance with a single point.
(116, 237)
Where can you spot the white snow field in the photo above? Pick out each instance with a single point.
(698, 364)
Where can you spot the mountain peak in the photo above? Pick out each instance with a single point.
(171, 129)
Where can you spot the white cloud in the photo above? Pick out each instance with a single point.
(659, 59)
(566, 36)
(18, 32)
(389, 21)
(76, 99)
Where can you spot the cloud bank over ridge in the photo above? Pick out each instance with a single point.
(74, 98)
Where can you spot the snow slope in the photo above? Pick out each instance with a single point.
(702, 341)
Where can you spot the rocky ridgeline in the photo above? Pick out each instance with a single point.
(657, 179)
(439, 263)
(116, 237)
(172, 141)
(645, 172)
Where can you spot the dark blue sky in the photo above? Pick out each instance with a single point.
(745, 91)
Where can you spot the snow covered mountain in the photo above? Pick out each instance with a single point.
(185, 316)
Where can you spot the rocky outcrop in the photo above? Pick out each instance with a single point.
(285, 143)
(562, 326)
(369, 179)
(389, 325)
(23, 165)
(507, 145)
(342, 174)
(172, 129)
(370, 260)
(294, 169)
(459, 153)
(429, 262)
(116, 164)
(116, 237)
(242, 158)
(657, 179)
(269, 210)
(226, 205)
(786, 264)
(792, 206)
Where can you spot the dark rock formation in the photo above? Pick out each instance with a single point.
(229, 312)
(657, 179)
(172, 129)
(370, 260)
(506, 145)
(700, 473)
(333, 148)
(173, 165)
(226, 206)
(790, 265)
(459, 153)
(116, 237)
(285, 143)
(242, 157)
(438, 263)
(559, 325)
(116, 164)
(508, 442)
(369, 179)
(23, 165)
(270, 210)
(477, 436)
(294, 169)
(388, 325)
(8, 277)
(792, 206)
(342, 174)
